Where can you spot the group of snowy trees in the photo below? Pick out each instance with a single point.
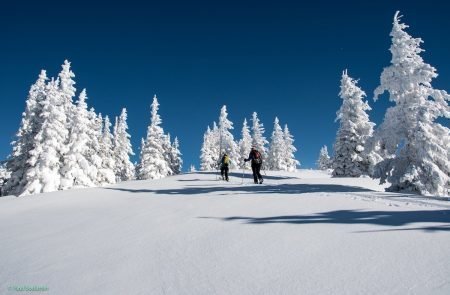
(279, 155)
(61, 145)
(410, 149)
(159, 157)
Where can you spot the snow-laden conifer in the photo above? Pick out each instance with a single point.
(245, 145)
(291, 162)
(167, 151)
(154, 164)
(124, 169)
(106, 153)
(415, 145)
(94, 154)
(66, 85)
(226, 138)
(4, 176)
(177, 161)
(17, 163)
(209, 157)
(76, 164)
(355, 128)
(209, 154)
(324, 161)
(49, 146)
(258, 139)
(276, 158)
(192, 169)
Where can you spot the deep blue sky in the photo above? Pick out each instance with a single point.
(277, 58)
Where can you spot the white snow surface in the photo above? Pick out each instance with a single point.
(298, 233)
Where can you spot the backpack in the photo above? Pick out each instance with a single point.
(257, 159)
(226, 160)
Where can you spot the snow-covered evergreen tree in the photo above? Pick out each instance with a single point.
(124, 169)
(154, 164)
(67, 89)
(4, 176)
(209, 156)
(49, 146)
(354, 130)
(177, 161)
(94, 145)
(76, 165)
(415, 146)
(258, 139)
(324, 161)
(167, 151)
(17, 163)
(192, 169)
(106, 172)
(276, 159)
(245, 145)
(226, 138)
(291, 162)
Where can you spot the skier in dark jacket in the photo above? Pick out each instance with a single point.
(256, 159)
(224, 166)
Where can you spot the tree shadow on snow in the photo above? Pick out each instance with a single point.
(384, 218)
(250, 189)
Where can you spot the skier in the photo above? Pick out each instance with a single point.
(224, 163)
(255, 157)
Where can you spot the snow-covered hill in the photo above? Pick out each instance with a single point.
(298, 233)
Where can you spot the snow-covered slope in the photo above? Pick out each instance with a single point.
(298, 233)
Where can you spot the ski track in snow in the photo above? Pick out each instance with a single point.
(297, 233)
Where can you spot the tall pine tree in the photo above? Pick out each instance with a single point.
(416, 152)
(76, 165)
(18, 162)
(324, 161)
(276, 159)
(258, 139)
(354, 130)
(50, 145)
(291, 162)
(124, 169)
(245, 145)
(226, 138)
(106, 173)
(153, 163)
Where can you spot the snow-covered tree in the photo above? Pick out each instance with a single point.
(258, 139)
(4, 176)
(324, 161)
(94, 145)
(76, 165)
(154, 164)
(67, 89)
(192, 169)
(291, 162)
(49, 145)
(167, 151)
(177, 162)
(209, 156)
(17, 163)
(67, 92)
(124, 169)
(106, 153)
(226, 138)
(276, 158)
(354, 130)
(245, 145)
(416, 152)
